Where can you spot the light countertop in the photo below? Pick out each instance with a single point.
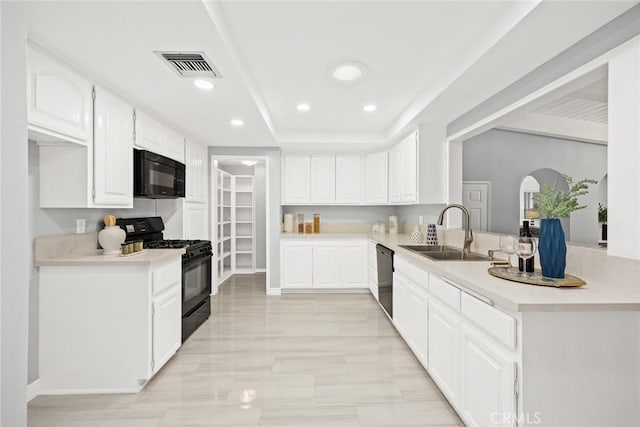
(95, 258)
(612, 283)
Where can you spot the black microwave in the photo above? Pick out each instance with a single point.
(156, 176)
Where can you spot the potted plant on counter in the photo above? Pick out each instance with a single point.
(555, 204)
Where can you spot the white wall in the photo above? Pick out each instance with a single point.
(14, 244)
(504, 158)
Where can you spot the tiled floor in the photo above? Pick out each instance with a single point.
(296, 360)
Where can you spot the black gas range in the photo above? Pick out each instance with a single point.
(196, 267)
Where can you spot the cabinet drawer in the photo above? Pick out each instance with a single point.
(166, 276)
(496, 323)
(447, 293)
(415, 274)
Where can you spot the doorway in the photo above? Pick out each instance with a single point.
(475, 197)
(239, 216)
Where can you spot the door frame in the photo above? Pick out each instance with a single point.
(213, 196)
(488, 183)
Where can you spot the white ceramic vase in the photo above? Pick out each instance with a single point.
(110, 238)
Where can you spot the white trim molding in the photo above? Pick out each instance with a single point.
(33, 390)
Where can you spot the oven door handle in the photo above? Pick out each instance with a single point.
(188, 261)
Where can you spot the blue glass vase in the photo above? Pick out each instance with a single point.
(552, 248)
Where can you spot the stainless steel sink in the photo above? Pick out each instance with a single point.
(444, 253)
(429, 248)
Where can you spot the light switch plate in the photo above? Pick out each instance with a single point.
(421, 220)
(81, 226)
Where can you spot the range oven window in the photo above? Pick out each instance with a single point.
(196, 281)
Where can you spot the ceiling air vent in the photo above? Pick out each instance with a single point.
(190, 64)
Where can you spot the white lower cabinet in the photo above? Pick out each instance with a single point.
(487, 377)
(126, 328)
(400, 304)
(444, 349)
(319, 263)
(417, 320)
(167, 329)
(297, 264)
(372, 256)
(326, 260)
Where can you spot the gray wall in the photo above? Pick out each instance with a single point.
(272, 205)
(504, 158)
(259, 193)
(48, 222)
(14, 247)
(410, 214)
(344, 213)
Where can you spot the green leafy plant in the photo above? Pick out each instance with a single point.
(554, 203)
(602, 213)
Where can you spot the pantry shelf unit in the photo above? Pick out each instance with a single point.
(243, 218)
(224, 215)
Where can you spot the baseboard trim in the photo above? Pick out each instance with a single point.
(274, 291)
(33, 390)
(63, 391)
(326, 291)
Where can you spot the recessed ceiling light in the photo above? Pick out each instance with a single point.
(303, 107)
(203, 84)
(249, 162)
(236, 122)
(369, 108)
(348, 71)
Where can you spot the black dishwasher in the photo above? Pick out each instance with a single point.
(385, 278)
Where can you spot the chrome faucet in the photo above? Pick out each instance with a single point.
(468, 233)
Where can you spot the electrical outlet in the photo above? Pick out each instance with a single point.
(421, 220)
(81, 226)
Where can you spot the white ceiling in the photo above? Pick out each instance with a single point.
(425, 60)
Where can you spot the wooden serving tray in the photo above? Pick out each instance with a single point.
(536, 278)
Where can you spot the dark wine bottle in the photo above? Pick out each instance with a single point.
(525, 236)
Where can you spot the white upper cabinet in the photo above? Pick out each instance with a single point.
(113, 150)
(376, 178)
(348, 179)
(323, 179)
(395, 178)
(297, 179)
(195, 221)
(153, 136)
(58, 100)
(409, 169)
(403, 171)
(196, 172)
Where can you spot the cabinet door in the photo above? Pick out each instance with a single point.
(174, 145)
(195, 221)
(348, 180)
(297, 265)
(409, 169)
(325, 265)
(297, 175)
(400, 295)
(395, 171)
(149, 134)
(195, 161)
(443, 349)
(323, 179)
(166, 326)
(59, 101)
(417, 321)
(486, 381)
(353, 264)
(376, 178)
(113, 151)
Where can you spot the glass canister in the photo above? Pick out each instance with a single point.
(309, 228)
(316, 223)
(300, 223)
